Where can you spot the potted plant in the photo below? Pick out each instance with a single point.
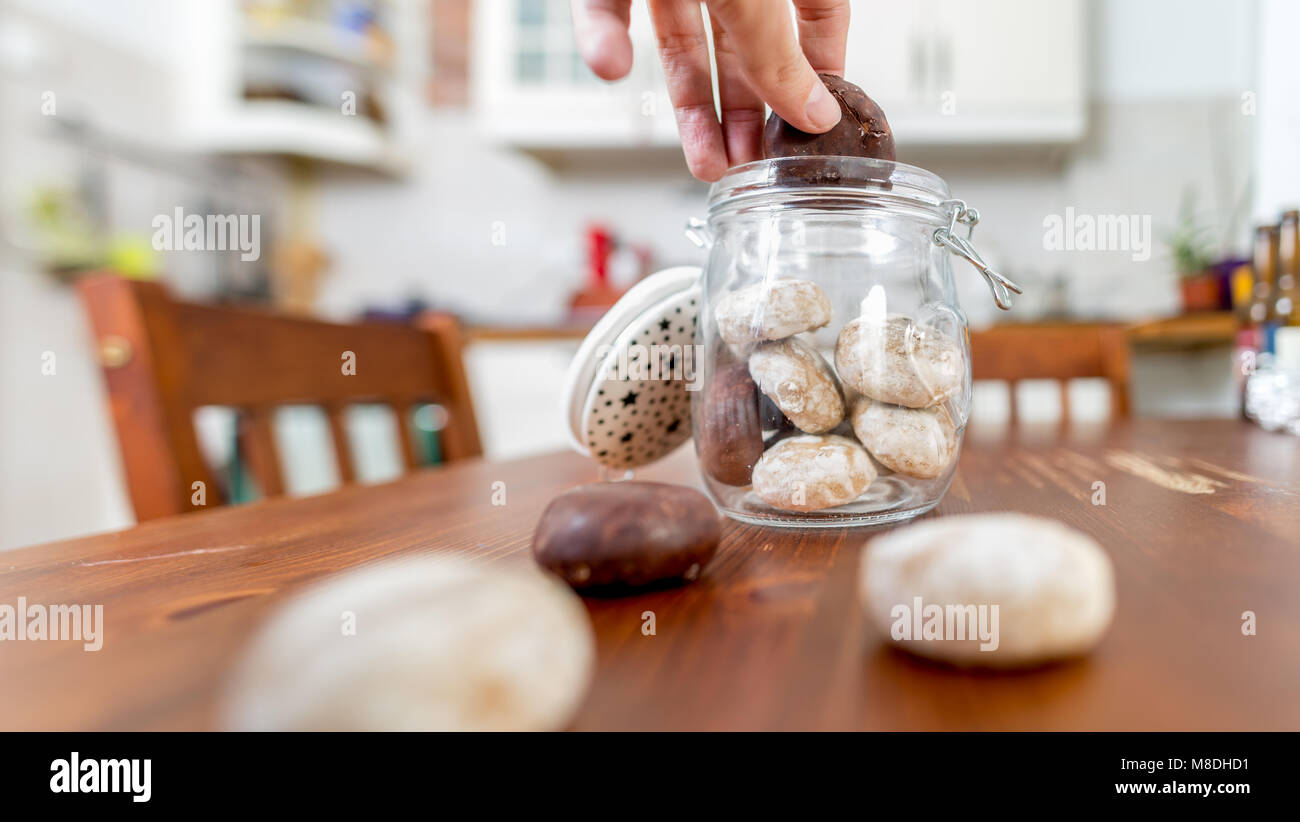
(1193, 252)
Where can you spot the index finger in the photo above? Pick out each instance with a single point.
(772, 62)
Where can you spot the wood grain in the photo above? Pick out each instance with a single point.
(770, 637)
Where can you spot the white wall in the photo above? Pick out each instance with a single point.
(432, 234)
(106, 64)
(1277, 147)
(59, 470)
(145, 28)
(1173, 49)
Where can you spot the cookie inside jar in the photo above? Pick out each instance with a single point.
(836, 355)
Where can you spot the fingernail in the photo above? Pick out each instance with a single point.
(822, 109)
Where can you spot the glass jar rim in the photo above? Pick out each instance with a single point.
(829, 182)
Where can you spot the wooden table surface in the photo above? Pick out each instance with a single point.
(1202, 520)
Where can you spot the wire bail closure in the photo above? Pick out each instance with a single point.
(962, 247)
(697, 231)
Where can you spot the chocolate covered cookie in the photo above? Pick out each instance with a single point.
(862, 130)
(626, 534)
(730, 425)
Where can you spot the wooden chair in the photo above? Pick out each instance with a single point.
(164, 358)
(1058, 352)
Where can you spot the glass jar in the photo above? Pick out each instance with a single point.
(835, 383)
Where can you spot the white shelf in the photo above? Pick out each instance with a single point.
(301, 130)
(308, 37)
(214, 116)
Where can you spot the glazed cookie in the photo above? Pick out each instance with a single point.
(919, 442)
(809, 473)
(1053, 589)
(434, 644)
(800, 383)
(899, 361)
(771, 310)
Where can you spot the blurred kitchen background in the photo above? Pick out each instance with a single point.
(457, 155)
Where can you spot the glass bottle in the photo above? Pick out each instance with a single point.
(1286, 303)
(1259, 316)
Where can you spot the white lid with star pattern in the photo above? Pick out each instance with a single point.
(626, 389)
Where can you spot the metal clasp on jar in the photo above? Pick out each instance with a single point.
(697, 231)
(959, 212)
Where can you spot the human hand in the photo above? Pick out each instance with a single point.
(759, 60)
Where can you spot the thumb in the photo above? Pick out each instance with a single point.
(763, 37)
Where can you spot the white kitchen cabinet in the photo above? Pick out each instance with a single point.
(532, 90)
(888, 53)
(982, 72)
(947, 73)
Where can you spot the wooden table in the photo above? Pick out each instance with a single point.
(1202, 520)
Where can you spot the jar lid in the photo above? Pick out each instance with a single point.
(828, 182)
(625, 393)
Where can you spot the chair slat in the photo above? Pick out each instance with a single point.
(342, 449)
(257, 444)
(459, 438)
(405, 442)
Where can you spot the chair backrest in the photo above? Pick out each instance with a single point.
(1057, 352)
(164, 358)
